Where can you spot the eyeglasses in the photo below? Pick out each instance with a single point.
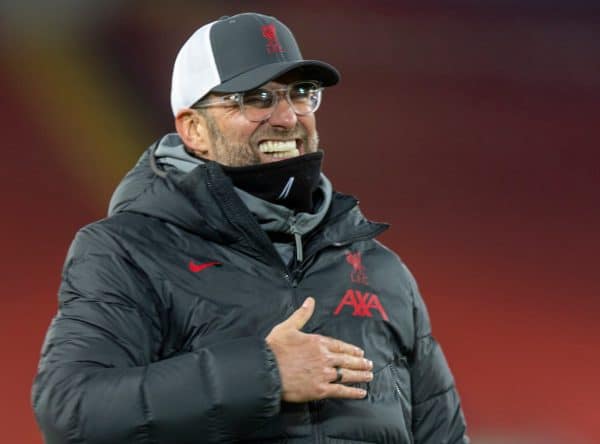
(258, 105)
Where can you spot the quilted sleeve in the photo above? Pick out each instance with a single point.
(99, 380)
(437, 414)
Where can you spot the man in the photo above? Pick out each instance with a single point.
(233, 296)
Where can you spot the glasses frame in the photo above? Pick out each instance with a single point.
(237, 99)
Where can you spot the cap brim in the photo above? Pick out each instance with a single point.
(309, 70)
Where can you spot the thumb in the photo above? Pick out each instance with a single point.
(300, 317)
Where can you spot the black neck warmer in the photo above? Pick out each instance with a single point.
(290, 182)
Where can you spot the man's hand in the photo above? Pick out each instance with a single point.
(307, 362)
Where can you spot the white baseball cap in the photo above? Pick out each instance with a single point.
(239, 53)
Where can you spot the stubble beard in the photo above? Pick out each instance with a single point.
(243, 154)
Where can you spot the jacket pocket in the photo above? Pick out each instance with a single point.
(384, 416)
(401, 379)
(391, 383)
(391, 386)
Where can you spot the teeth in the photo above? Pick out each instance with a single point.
(277, 146)
(290, 153)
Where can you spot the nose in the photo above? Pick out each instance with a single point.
(283, 115)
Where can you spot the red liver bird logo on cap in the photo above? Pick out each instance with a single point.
(269, 33)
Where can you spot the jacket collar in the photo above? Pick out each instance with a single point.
(204, 201)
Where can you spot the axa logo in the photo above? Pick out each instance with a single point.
(269, 33)
(359, 273)
(362, 304)
(198, 267)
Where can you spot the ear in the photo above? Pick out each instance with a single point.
(193, 130)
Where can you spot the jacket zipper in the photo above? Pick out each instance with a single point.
(297, 240)
(299, 250)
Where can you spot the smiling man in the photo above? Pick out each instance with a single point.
(236, 138)
(232, 295)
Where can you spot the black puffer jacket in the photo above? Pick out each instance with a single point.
(154, 343)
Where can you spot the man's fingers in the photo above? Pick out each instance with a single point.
(310, 365)
(350, 362)
(300, 317)
(337, 346)
(353, 376)
(343, 391)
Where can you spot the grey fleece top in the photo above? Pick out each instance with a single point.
(270, 216)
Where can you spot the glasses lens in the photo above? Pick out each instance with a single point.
(305, 97)
(258, 104)
(259, 98)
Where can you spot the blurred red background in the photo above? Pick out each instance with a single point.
(471, 127)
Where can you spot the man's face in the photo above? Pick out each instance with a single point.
(236, 141)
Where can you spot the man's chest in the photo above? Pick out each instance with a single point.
(211, 293)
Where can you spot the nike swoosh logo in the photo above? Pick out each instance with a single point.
(195, 268)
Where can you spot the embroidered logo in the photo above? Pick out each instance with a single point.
(268, 32)
(196, 268)
(358, 274)
(286, 189)
(362, 303)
